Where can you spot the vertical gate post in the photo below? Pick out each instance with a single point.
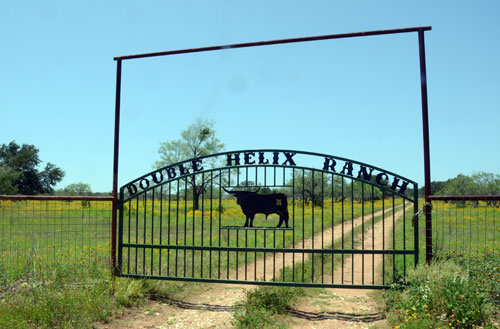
(415, 225)
(427, 163)
(115, 165)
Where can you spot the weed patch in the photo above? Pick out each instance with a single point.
(451, 293)
(266, 307)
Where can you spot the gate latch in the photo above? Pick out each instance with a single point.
(427, 207)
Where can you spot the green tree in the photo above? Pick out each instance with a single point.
(19, 173)
(77, 189)
(7, 179)
(196, 140)
(362, 191)
(479, 183)
(312, 186)
(460, 185)
(487, 183)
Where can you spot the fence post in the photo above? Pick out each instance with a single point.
(427, 163)
(115, 165)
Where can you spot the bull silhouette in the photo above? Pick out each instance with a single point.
(252, 203)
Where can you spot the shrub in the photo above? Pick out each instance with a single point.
(447, 294)
(266, 306)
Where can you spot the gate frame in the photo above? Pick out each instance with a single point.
(152, 182)
(425, 120)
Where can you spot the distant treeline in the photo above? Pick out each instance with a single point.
(480, 183)
(318, 188)
(79, 189)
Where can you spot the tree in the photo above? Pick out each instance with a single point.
(312, 186)
(479, 183)
(460, 185)
(197, 140)
(361, 191)
(488, 183)
(19, 173)
(7, 179)
(77, 189)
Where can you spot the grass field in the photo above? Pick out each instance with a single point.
(459, 229)
(54, 264)
(466, 228)
(54, 256)
(34, 234)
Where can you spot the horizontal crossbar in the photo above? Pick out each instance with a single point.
(54, 198)
(262, 283)
(464, 197)
(276, 42)
(280, 250)
(256, 228)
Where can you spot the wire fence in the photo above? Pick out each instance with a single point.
(465, 225)
(36, 232)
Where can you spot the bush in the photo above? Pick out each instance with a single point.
(451, 293)
(265, 307)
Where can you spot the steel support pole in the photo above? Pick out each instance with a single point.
(114, 214)
(427, 162)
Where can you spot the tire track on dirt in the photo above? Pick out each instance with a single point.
(364, 263)
(354, 302)
(281, 260)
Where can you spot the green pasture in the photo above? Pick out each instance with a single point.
(33, 234)
(54, 256)
(465, 228)
(41, 234)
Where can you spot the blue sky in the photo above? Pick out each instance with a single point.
(355, 98)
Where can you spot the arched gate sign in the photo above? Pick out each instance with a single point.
(270, 217)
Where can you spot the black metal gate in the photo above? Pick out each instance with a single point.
(269, 217)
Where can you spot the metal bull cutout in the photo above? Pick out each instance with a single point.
(252, 203)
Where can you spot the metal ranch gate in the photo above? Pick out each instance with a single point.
(277, 217)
